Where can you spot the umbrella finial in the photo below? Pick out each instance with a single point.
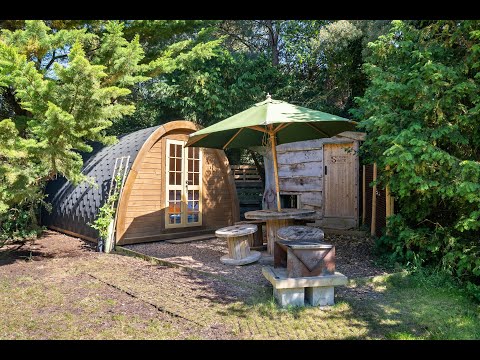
(269, 96)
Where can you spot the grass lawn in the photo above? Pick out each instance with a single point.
(82, 294)
(400, 306)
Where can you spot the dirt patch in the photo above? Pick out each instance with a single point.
(59, 287)
(49, 245)
(204, 255)
(354, 256)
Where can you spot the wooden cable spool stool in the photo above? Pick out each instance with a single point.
(237, 237)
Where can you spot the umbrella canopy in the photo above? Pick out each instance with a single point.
(288, 122)
(270, 122)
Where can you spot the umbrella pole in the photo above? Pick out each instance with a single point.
(275, 167)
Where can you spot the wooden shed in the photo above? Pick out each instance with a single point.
(322, 175)
(170, 191)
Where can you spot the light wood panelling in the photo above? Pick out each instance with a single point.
(316, 144)
(301, 172)
(339, 181)
(313, 198)
(142, 215)
(295, 157)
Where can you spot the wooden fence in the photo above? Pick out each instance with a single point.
(246, 174)
(249, 187)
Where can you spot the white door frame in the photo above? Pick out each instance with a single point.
(183, 187)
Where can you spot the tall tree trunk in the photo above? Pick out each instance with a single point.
(273, 40)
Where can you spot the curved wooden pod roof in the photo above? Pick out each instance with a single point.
(75, 207)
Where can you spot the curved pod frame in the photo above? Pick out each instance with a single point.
(149, 143)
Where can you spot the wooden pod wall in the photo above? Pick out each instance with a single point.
(170, 191)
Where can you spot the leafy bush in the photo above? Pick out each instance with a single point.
(16, 224)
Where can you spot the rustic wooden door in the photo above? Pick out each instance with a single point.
(183, 185)
(340, 199)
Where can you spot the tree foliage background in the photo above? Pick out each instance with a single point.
(64, 83)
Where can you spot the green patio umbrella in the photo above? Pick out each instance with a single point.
(270, 122)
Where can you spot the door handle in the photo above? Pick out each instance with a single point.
(325, 169)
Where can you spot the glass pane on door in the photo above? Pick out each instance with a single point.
(193, 195)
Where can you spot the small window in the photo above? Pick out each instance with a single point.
(289, 201)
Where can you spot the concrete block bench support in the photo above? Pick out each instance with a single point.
(299, 291)
(292, 297)
(320, 296)
(239, 252)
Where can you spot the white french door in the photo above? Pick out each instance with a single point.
(183, 185)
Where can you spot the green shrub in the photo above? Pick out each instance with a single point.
(16, 225)
(420, 112)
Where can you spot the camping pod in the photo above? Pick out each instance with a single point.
(170, 191)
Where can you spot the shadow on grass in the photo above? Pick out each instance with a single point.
(399, 306)
(223, 290)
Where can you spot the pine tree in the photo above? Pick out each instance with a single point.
(61, 88)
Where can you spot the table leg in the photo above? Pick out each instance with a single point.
(238, 247)
(272, 227)
(239, 252)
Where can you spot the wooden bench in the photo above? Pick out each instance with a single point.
(301, 291)
(237, 237)
(256, 239)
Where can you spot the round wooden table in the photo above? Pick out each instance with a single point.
(275, 220)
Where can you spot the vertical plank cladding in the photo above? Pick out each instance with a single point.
(216, 194)
(145, 214)
(145, 206)
(340, 182)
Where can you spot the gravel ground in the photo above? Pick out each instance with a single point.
(353, 257)
(205, 255)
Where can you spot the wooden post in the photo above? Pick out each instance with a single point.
(364, 200)
(387, 201)
(374, 201)
(388, 197)
(275, 167)
(387, 204)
